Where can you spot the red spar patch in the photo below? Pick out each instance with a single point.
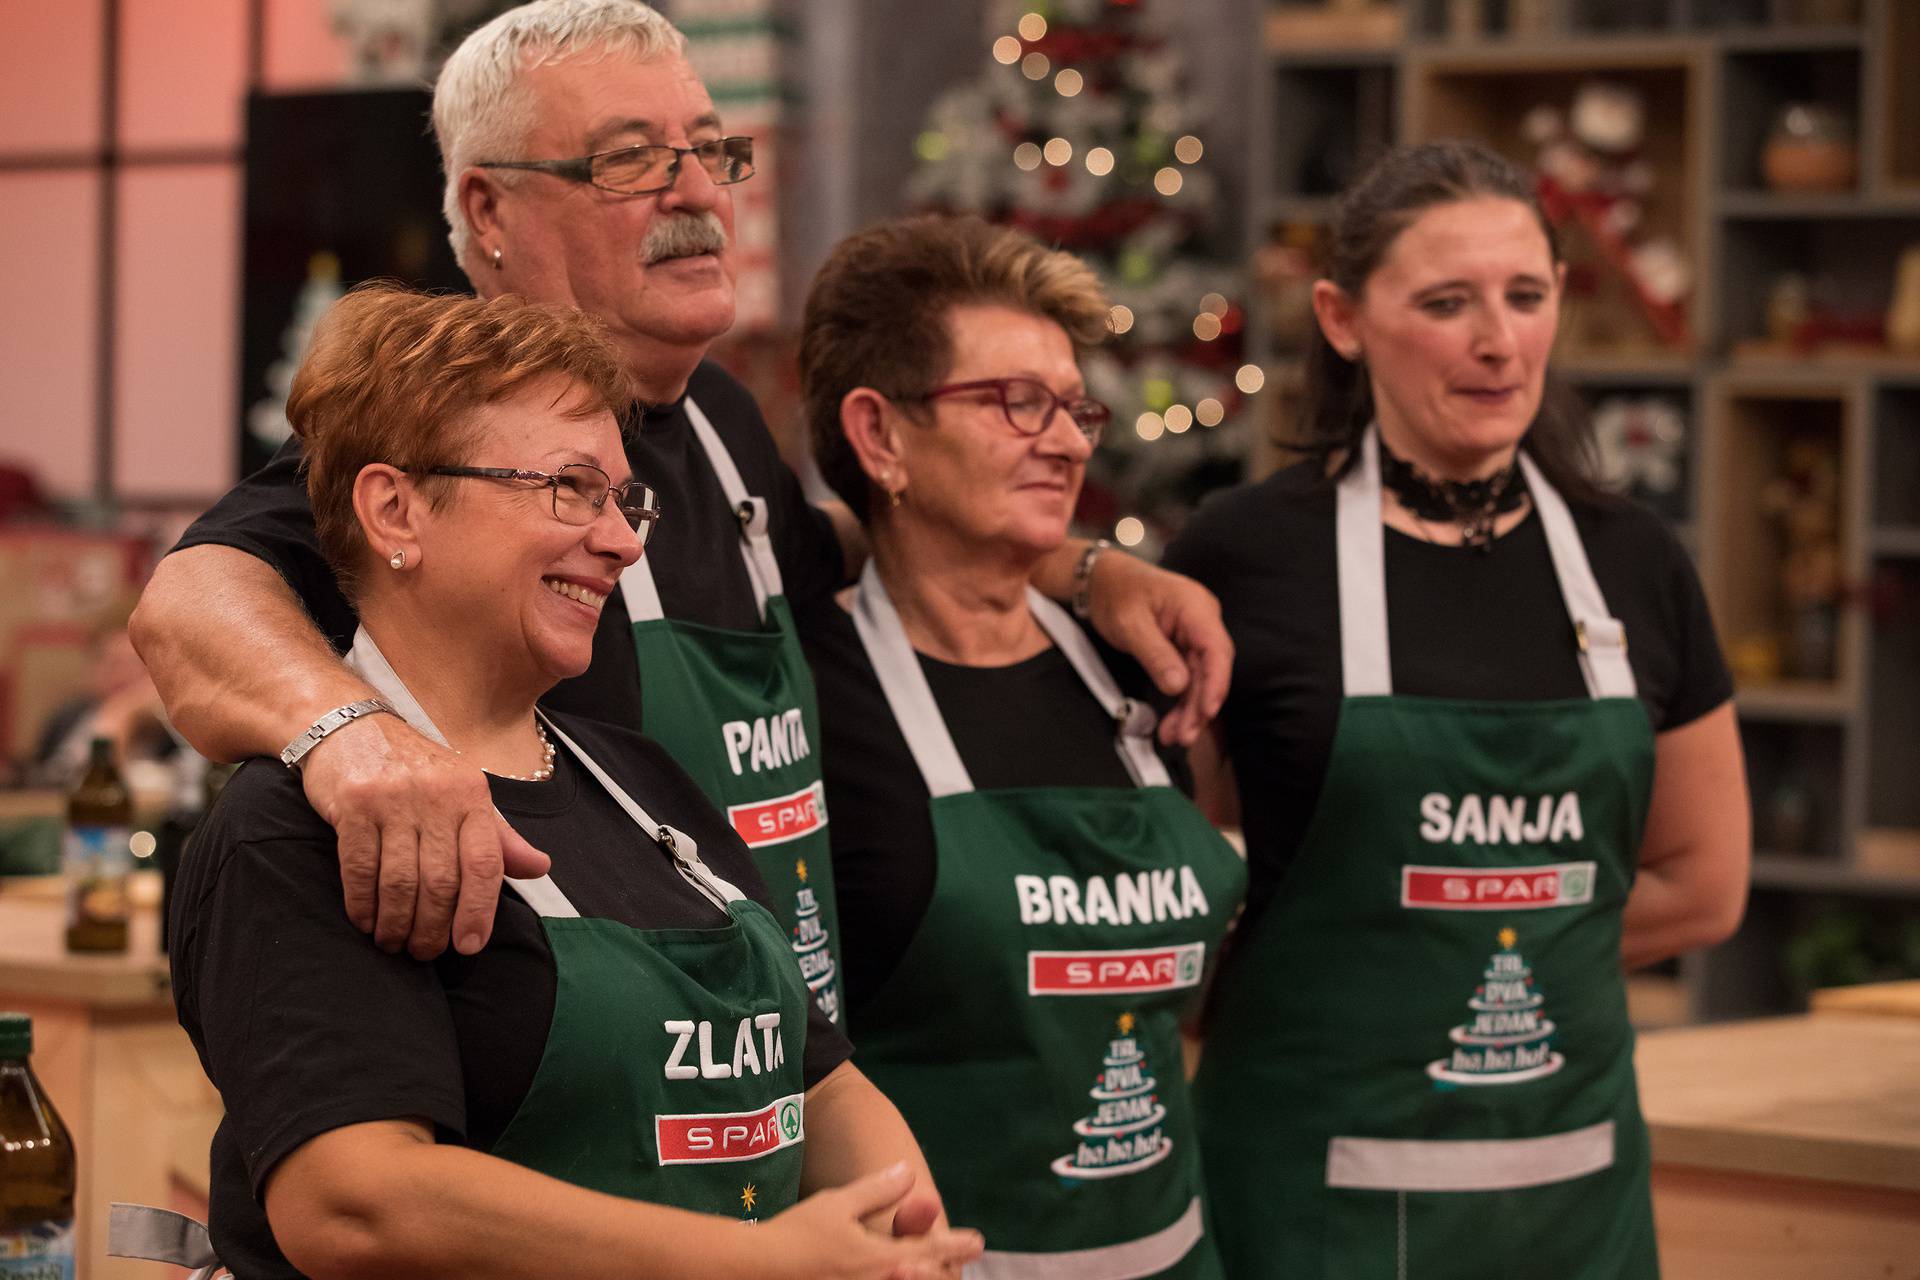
(1080, 973)
(1560, 884)
(780, 819)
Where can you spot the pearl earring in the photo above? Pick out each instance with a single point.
(496, 260)
(398, 560)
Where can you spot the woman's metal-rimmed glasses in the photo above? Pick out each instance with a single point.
(643, 170)
(580, 493)
(1029, 405)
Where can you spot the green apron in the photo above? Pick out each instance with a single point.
(1418, 1060)
(704, 1109)
(737, 710)
(1031, 1032)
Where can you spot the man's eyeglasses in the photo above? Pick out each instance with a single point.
(1029, 405)
(639, 171)
(580, 493)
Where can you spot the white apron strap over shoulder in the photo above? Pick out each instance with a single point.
(637, 586)
(925, 729)
(1360, 548)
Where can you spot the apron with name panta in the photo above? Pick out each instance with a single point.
(737, 710)
(1418, 1061)
(1030, 1034)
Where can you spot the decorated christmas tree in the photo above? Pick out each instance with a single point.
(1078, 132)
(811, 947)
(1509, 1038)
(1122, 1135)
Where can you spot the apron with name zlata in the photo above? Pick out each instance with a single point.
(737, 710)
(1031, 1033)
(673, 1066)
(1418, 1061)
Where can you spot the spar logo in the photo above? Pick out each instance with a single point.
(780, 819)
(726, 1137)
(1092, 973)
(1558, 884)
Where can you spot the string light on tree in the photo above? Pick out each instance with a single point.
(1149, 426)
(1215, 304)
(1168, 181)
(1099, 162)
(1209, 412)
(1188, 150)
(1006, 50)
(1178, 418)
(1032, 27)
(1058, 152)
(1026, 156)
(1035, 66)
(1249, 378)
(1068, 83)
(1129, 531)
(1206, 326)
(1119, 318)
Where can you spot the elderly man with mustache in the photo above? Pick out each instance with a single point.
(586, 165)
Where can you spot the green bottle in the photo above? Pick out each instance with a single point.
(98, 855)
(36, 1167)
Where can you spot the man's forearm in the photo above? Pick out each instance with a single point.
(239, 665)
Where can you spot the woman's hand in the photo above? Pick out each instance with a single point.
(824, 1236)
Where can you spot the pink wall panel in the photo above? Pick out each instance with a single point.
(301, 49)
(49, 76)
(183, 72)
(177, 330)
(48, 231)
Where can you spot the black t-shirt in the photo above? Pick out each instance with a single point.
(694, 551)
(1031, 724)
(1460, 624)
(305, 1026)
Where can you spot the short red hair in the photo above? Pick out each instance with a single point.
(392, 376)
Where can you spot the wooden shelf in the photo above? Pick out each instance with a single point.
(1650, 368)
(1809, 206)
(1791, 39)
(1827, 875)
(1795, 702)
(1891, 540)
(1291, 208)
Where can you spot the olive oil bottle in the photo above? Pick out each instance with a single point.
(97, 856)
(36, 1167)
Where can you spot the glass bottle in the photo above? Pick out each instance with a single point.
(98, 856)
(36, 1167)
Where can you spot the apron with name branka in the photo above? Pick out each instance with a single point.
(1419, 1063)
(737, 709)
(1030, 1034)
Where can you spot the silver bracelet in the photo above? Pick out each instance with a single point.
(291, 754)
(1083, 577)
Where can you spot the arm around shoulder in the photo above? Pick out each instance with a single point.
(1697, 851)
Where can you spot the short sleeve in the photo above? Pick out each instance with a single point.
(1704, 681)
(303, 1025)
(267, 516)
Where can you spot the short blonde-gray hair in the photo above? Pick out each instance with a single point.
(480, 105)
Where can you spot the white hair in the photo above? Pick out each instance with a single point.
(481, 109)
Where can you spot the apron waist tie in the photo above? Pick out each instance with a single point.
(161, 1235)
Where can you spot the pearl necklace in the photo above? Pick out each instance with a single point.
(545, 771)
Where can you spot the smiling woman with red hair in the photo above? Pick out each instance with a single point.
(633, 1065)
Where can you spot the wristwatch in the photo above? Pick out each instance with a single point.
(291, 754)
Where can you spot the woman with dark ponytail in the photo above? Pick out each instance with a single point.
(1469, 804)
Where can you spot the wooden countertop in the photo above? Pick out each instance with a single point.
(34, 960)
(1833, 1097)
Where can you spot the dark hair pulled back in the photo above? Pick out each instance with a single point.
(1370, 215)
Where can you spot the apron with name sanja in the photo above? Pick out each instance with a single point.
(1418, 1063)
(1031, 1033)
(737, 709)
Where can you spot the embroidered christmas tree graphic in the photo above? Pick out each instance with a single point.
(810, 946)
(1509, 1038)
(1122, 1135)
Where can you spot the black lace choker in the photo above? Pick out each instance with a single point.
(1474, 505)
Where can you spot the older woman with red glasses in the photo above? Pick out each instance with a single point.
(1027, 904)
(633, 1066)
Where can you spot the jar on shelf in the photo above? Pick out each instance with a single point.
(1810, 148)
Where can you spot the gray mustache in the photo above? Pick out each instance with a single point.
(682, 235)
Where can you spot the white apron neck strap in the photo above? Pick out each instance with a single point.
(637, 587)
(1601, 637)
(905, 685)
(685, 851)
(1360, 552)
(1134, 721)
(365, 658)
